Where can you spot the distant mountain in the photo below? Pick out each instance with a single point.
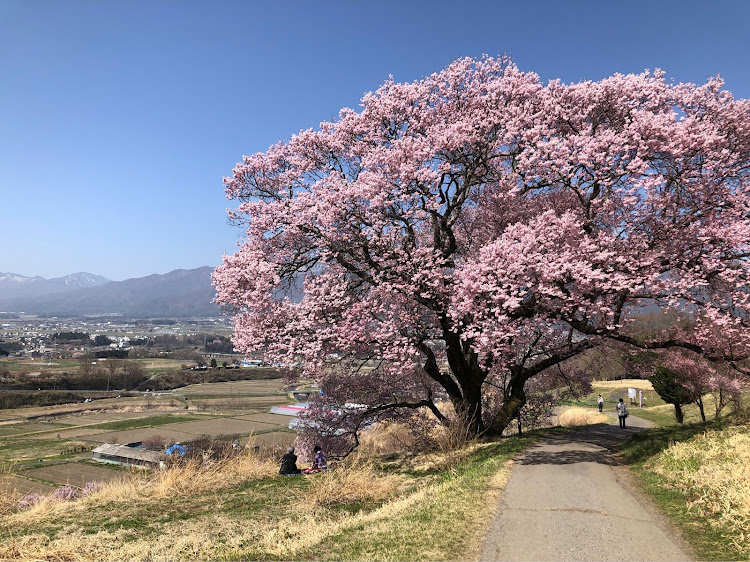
(183, 292)
(14, 286)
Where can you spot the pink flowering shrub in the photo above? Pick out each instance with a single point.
(91, 487)
(66, 493)
(29, 500)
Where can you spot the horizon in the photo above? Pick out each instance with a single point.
(123, 118)
(103, 276)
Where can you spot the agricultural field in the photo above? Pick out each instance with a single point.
(75, 473)
(42, 448)
(36, 366)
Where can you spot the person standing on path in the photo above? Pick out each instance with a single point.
(622, 412)
(600, 401)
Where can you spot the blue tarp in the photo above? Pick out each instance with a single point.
(176, 448)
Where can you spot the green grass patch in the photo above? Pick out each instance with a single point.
(29, 427)
(23, 450)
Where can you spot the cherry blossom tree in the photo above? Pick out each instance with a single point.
(687, 377)
(458, 235)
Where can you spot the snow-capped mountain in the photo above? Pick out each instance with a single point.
(14, 286)
(183, 292)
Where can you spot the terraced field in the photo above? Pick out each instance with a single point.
(43, 448)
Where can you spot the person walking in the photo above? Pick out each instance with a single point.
(622, 412)
(600, 401)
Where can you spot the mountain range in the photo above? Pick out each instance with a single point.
(183, 292)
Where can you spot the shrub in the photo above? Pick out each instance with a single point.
(66, 493)
(90, 488)
(29, 500)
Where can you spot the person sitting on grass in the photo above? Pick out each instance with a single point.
(319, 463)
(319, 459)
(289, 463)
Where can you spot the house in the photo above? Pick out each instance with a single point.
(128, 456)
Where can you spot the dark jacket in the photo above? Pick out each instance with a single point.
(289, 464)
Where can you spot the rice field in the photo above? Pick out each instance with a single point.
(58, 434)
(75, 473)
(12, 485)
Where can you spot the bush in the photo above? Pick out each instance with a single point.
(29, 501)
(66, 493)
(91, 487)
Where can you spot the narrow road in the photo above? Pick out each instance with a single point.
(567, 499)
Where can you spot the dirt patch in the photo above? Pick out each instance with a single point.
(96, 417)
(23, 428)
(70, 433)
(277, 440)
(22, 486)
(256, 387)
(273, 419)
(136, 435)
(75, 473)
(221, 426)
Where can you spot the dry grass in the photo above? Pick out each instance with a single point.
(623, 383)
(357, 482)
(215, 535)
(385, 438)
(714, 469)
(580, 416)
(388, 516)
(138, 486)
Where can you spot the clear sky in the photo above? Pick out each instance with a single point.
(119, 119)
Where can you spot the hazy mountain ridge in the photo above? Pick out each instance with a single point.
(183, 292)
(16, 286)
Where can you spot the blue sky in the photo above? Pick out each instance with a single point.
(118, 119)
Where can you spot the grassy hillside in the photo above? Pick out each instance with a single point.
(405, 508)
(699, 474)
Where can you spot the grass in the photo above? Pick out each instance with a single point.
(699, 475)
(241, 509)
(23, 450)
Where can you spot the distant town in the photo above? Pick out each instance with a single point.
(30, 337)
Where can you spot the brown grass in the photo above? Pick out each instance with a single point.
(624, 383)
(409, 518)
(385, 438)
(138, 486)
(580, 416)
(356, 482)
(714, 468)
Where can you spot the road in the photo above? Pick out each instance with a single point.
(568, 499)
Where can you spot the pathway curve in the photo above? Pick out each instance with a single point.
(568, 499)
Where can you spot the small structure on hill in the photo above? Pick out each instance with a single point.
(128, 456)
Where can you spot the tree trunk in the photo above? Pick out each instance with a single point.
(699, 401)
(515, 399)
(678, 415)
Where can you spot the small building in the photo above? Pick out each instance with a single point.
(128, 456)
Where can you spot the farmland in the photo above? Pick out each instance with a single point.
(42, 448)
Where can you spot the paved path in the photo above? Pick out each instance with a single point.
(567, 499)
